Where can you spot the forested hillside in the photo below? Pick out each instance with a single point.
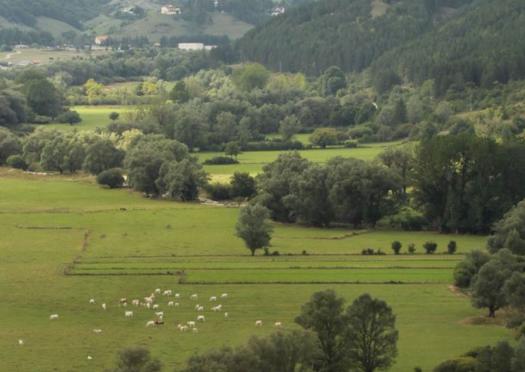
(452, 42)
(72, 12)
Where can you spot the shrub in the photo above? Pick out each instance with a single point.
(452, 247)
(406, 219)
(221, 160)
(463, 364)
(39, 119)
(242, 185)
(396, 247)
(17, 162)
(430, 247)
(69, 117)
(112, 178)
(219, 191)
(412, 248)
(273, 146)
(114, 116)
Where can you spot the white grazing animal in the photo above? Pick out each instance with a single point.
(194, 296)
(195, 330)
(167, 292)
(258, 323)
(171, 303)
(226, 315)
(97, 331)
(183, 328)
(213, 299)
(191, 324)
(90, 357)
(278, 324)
(92, 301)
(53, 317)
(123, 301)
(155, 307)
(135, 302)
(200, 309)
(159, 313)
(157, 291)
(177, 295)
(20, 342)
(128, 314)
(224, 295)
(217, 308)
(104, 306)
(201, 318)
(150, 323)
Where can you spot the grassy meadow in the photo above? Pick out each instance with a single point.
(93, 117)
(64, 240)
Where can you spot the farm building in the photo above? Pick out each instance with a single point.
(101, 40)
(170, 10)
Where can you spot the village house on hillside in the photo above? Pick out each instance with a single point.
(170, 10)
(278, 10)
(101, 40)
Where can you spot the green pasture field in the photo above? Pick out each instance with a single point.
(53, 226)
(253, 161)
(93, 117)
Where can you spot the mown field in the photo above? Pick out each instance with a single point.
(253, 161)
(114, 244)
(93, 117)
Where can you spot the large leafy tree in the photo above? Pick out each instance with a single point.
(43, 97)
(254, 228)
(509, 232)
(323, 314)
(9, 145)
(136, 359)
(102, 155)
(145, 157)
(181, 180)
(370, 334)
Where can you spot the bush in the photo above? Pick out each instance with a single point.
(351, 144)
(407, 219)
(17, 162)
(273, 146)
(69, 117)
(463, 364)
(430, 247)
(452, 247)
(412, 248)
(219, 191)
(112, 178)
(39, 119)
(396, 247)
(242, 185)
(114, 116)
(221, 160)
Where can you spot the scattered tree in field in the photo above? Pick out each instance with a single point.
(254, 228)
(430, 247)
(370, 334)
(510, 231)
(112, 178)
(69, 117)
(488, 284)
(324, 137)
(9, 145)
(514, 290)
(43, 98)
(396, 247)
(17, 162)
(323, 314)
(102, 155)
(243, 185)
(232, 149)
(469, 267)
(452, 247)
(114, 116)
(412, 248)
(137, 359)
(181, 180)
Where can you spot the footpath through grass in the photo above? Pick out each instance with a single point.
(52, 225)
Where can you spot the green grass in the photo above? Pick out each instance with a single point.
(253, 161)
(44, 56)
(93, 117)
(50, 222)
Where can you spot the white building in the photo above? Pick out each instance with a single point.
(170, 10)
(195, 46)
(278, 10)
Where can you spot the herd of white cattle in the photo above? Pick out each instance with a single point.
(152, 302)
